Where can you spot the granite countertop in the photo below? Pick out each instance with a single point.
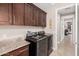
(10, 44)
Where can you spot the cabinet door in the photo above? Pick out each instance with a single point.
(5, 14)
(23, 51)
(44, 19)
(42, 47)
(36, 16)
(29, 15)
(18, 14)
(40, 18)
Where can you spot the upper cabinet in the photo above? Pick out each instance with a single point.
(34, 16)
(39, 17)
(44, 19)
(5, 14)
(26, 14)
(29, 21)
(18, 14)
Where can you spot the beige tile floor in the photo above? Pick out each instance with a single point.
(65, 48)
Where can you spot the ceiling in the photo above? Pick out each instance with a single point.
(44, 6)
(68, 10)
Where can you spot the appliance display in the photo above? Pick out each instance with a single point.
(39, 43)
(50, 44)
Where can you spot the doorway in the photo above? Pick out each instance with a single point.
(65, 31)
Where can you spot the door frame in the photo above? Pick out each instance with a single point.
(69, 17)
(56, 25)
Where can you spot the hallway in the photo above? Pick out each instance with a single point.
(65, 48)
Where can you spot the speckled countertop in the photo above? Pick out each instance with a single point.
(12, 43)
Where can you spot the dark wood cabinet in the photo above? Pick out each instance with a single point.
(22, 14)
(34, 16)
(44, 19)
(23, 51)
(5, 14)
(39, 17)
(29, 15)
(18, 14)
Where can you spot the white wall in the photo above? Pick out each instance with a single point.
(78, 31)
(10, 31)
(51, 15)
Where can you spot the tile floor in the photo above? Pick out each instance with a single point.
(65, 48)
